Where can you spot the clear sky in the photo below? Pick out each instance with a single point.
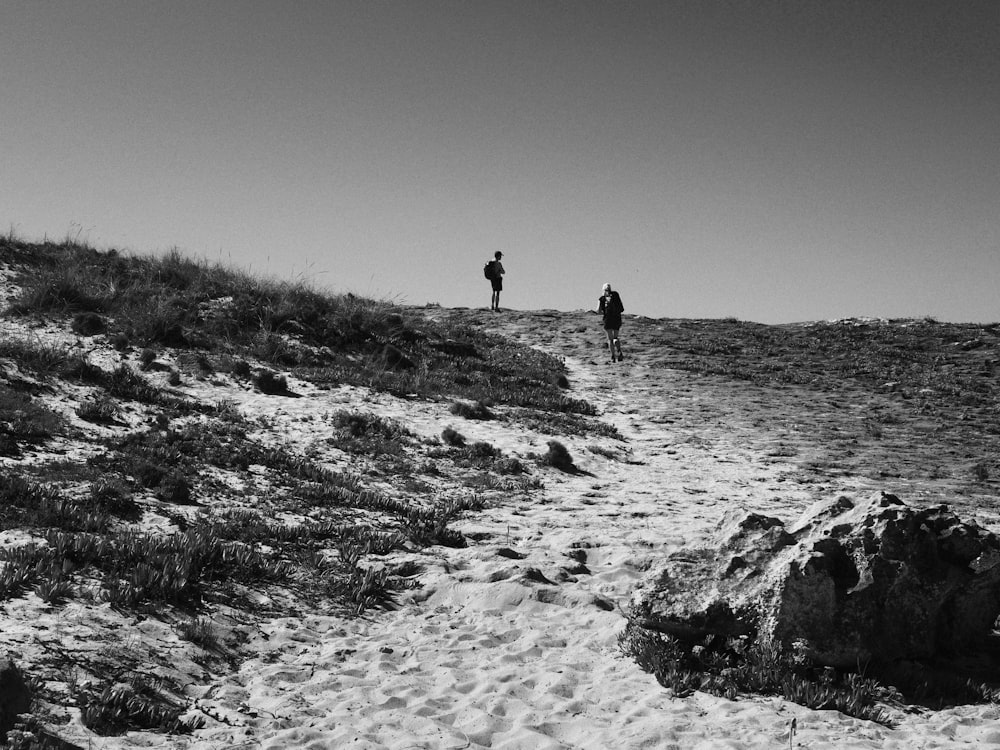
(772, 161)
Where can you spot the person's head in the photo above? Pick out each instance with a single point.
(498, 255)
(606, 289)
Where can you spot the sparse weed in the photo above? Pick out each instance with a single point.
(36, 357)
(199, 631)
(600, 450)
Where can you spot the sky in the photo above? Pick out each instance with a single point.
(773, 161)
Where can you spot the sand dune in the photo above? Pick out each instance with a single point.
(511, 643)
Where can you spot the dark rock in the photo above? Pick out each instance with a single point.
(15, 696)
(877, 582)
(510, 554)
(534, 575)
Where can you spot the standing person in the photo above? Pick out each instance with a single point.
(496, 279)
(611, 307)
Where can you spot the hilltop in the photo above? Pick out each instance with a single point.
(244, 513)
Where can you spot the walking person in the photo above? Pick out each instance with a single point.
(610, 306)
(495, 272)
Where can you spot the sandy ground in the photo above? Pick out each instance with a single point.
(512, 642)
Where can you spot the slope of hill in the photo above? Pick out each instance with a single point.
(245, 514)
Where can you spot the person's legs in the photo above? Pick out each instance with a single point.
(611, 342)
(618, 345)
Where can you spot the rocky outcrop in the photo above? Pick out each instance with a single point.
(847, 584)
(15, 697)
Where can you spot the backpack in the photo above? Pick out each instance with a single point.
(613, 306)
(490, 270)
(616, 304)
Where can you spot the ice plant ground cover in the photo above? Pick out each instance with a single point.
(243, 513)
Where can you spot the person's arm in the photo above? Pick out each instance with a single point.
(500, 266)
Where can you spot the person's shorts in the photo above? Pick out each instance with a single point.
(497, 284)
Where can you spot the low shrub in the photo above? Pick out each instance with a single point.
(450, 436)
(478, 410)
(363, 424)
(174, 488)
(362, 432)
(111, 495)
(728, 667)
(88, 324)
(118, 708)
(427, 526)
(148, 473)
(124, 383)
(558, 457)
(509, 466)
(99, 411)
(242, 369)
(55, 591)
(24, 420)
(270, 382)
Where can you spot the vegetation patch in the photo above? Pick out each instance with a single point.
(477, 410)
(173, 301)
(565, 423)
(24, 421)
(731, 667)
(364, 432)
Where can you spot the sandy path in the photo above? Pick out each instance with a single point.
(512, 642)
